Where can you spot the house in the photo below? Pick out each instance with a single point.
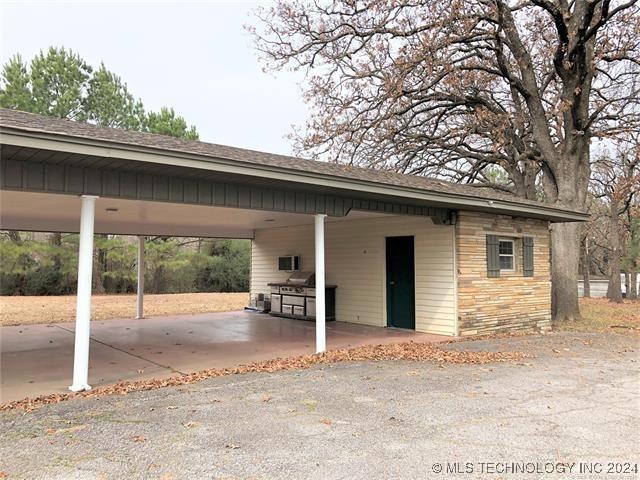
(404, 251)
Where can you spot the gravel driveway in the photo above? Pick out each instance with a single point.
(577, 399)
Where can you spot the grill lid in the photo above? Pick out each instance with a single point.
(302, 278)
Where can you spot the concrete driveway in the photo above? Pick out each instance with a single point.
(574, 404)
(38, 359)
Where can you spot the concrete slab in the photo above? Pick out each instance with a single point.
(38, 359)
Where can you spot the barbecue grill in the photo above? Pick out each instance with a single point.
(296, 297)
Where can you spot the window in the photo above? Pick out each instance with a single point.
(506, 253)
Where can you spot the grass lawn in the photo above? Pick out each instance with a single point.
(32, 310)
(601, 315)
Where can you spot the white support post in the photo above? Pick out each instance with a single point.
(321, 338)
(83, 304)
(140, 297)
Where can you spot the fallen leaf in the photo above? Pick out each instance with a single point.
(190, 424)
(232, 446)
(138, 438)
(326, 421)
(408, 351)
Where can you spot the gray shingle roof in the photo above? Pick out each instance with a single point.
(14, 119)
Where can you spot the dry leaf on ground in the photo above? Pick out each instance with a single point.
(409, 351)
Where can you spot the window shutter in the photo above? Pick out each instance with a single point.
(527, 256)
(493, 256)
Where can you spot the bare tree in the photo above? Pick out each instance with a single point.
(616, 182)
(586, 262)
(452, 87)
(632, 258)
(14, 236)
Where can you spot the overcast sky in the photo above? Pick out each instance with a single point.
(193, 56)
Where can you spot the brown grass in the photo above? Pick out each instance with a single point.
(32, 310)
(601, 315)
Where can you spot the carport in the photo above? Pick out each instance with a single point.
(62, 176)
(35, 211)
(404, 251)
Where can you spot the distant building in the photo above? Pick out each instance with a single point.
(599, 286)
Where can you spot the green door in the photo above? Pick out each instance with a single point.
(401, 292)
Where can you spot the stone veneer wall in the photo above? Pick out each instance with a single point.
(511, 302)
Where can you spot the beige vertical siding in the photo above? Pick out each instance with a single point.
(355, 261)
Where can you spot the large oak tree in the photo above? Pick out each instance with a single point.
(461, 88)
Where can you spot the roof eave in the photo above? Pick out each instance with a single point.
(110, 149)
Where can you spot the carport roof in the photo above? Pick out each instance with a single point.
(22, 124)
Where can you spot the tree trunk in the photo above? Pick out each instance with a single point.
(569, 190)
(626, 283)
(614, 290)
(99, 264)
(586, 270)
(56, 240)
(565, 248)
(14, 236)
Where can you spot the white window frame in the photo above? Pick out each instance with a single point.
(512, 255)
